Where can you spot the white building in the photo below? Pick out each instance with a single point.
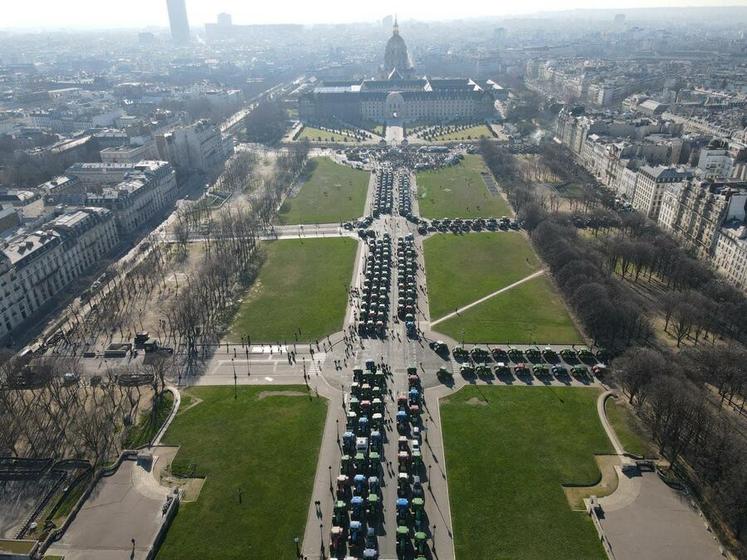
(97, 174)
(139, 197)
(35, 267)
(197, 147)
(694, 212)
(650, 186)
(715, 160)
(128, 154)
(730, 255)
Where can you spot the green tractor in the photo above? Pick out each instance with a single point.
(460, 353)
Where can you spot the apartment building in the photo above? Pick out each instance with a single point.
(128, 154)
(651, 184)
(197, 147)
(36, 267)
(730, 254)
(695, 211)
(715, 160)
(144, 193)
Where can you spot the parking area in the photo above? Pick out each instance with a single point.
(120, 519)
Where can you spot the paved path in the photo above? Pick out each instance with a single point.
(123, 508)
(647, 520)
(644, 519)
(174, 410)
(487, 297)
(394, 135)
(602, 411)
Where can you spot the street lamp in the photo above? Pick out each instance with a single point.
(298, 550)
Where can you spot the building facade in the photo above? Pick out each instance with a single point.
(399, 97)
(695, 211)
(35, 267)
(398, 100)
(730, 255)
(197, 147)
(650, 187)
(139, 197)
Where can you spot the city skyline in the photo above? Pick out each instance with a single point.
(83, 14)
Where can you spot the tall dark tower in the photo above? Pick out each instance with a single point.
(178, 20)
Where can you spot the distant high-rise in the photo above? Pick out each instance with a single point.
(224, 19)
(178, 20)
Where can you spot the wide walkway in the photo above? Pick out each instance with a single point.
(394, 135)
(645, 519)
(119, 520)
(654, 522)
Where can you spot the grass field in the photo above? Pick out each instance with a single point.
(334, 193)
(313, 134)
(472, 132)
(532, 312)
(627, 429)
(303, 283)
(265, 447)
(507, 459)
(463, 268)
(458, 192)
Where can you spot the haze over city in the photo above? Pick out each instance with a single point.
(92, 14)
(412, 281)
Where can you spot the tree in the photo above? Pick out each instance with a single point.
(267, 123)
(636, 368)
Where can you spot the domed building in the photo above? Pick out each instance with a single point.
(398, 97)
(397, 64)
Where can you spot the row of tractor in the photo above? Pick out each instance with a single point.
(384, 195)
(407, 288)
(374, 305)
(412, 521)
(533, 355)
(501, 369)
(357, 508)
(466, 225)
(405, 197)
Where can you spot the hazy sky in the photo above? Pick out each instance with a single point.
(142, 13)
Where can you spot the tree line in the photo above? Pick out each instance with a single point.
(688, 402)
(689, 399)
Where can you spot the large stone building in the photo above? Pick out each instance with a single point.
(197, 147)
(730, 255)
(139, 197)
(399, 97)
(651, 184)
(35, 267)
(695, 211)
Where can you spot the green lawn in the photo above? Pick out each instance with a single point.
(627, 429)
(463, 268)
(334, 193)
(532, 312)
(303, 283)
(506, 462)
(268, 449)
(313, 134)
(458, 192)
(472, 132)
